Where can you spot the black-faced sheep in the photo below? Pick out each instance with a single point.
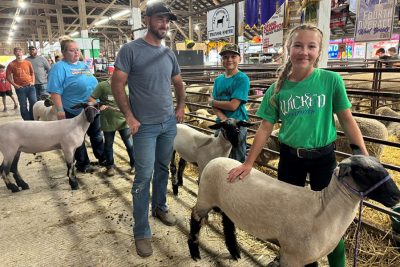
(199, 148)
(41, 136)
(306, 224)
(44, 110)
(392, 127)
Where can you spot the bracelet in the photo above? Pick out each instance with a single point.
(60, 109)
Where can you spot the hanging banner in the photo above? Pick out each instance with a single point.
(273, 30)
(252, 7)
(374, 20)
(268, 9)
(221, 22)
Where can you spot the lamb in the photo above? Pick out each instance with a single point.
(41, 136)
(44, 110)
(306, 224)
(196, 147)
(392, 127)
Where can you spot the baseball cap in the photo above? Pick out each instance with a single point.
(233, 48)
(159, 8)
(31, 47)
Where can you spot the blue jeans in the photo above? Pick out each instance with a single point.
(26, 94)
(96, 140)
(108, 146)
(153, 146)
(41, 90)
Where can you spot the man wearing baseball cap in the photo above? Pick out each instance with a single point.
(41, 68)
(230, 94)
(149, 68)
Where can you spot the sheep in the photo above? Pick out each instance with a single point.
(41, 136)
(194, 94)
(306, 224)
(44, 110)
(368, 127)
(196, 147)
(392, 127)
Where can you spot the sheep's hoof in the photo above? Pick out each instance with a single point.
(13, 187)
(175, 189)
(194, 250)
(235, 254)
(23, 185)
(74, 184)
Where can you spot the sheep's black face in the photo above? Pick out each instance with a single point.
(91, 112)
(366, 172)
(230, 128)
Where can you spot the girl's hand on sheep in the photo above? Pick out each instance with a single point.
(103, 107)
(239, 172)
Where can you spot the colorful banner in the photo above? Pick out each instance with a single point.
(251, 12)
(374, 20)
(268, 9)
(273, 30)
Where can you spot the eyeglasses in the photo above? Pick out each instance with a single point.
(225, 57)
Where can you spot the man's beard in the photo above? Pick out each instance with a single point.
(157, 34)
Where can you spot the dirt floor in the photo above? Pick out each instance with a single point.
(50, 225)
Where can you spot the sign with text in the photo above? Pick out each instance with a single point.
(221, 22)
(374, 20)
(273, 30)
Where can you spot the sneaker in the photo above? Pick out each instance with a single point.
(165, 217)
(143, 247)
(86, 169)
(110, 171)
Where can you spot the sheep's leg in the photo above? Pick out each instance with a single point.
(73, 182)
(14, 169)
(174, 180)
(193, 241)
(230, 237)
(5, 173)
(181, 168)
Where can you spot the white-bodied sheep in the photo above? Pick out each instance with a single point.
(199, 148)
(44, 110)
(392, 127)
(41, 136)
(306, 224)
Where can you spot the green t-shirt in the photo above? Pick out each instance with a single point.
(110, 119)
(306, 109)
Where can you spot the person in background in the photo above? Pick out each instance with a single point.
(5, 89)
(112, 120)
(305, 99)
(230, 94)
(20, 74)
(149, 67)
(393, 53)
(70, 83)
(41, 68)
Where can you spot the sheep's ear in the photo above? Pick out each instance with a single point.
(80, 105)
(215, 126)
(355, 149)
(344, 170)
(245, 124)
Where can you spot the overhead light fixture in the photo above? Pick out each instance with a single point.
(14, 27)
(100, 22)
(11, 33)
(169, 33)
(74, 34)
(22, 4)
(196, 27)
(18, 18)
(8, 41)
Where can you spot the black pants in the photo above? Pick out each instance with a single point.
(293, 170)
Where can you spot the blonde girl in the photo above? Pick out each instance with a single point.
(305, 99)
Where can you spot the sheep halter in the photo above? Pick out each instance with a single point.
(362, 195)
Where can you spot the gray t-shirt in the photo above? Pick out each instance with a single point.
(149, 70)
(41, 68)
